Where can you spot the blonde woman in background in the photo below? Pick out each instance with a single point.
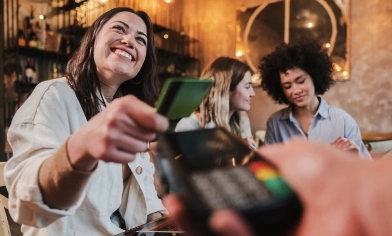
(227, 101)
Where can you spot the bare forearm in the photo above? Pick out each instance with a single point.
(61, 185)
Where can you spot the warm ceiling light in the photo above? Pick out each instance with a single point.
(256, 78)
(166, 36)
(239, 53)
(168, 1)
(310, 24)
(41, 17)
(327, 45)
(336, 67)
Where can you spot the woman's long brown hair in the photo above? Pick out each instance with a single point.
(82, 76)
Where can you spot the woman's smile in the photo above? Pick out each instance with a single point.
(124, 54)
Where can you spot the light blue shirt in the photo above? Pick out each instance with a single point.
(328, 124)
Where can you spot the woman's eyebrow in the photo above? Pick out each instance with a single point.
(127, 26)
(122, 22)
(142, 33)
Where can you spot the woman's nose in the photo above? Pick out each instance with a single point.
(127, 39)
(252, 92)
(297, 89)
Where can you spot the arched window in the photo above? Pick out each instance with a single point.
(261, 28)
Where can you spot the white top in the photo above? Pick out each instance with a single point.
(192, 123)
(44, 122)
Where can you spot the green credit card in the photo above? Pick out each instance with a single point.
(181, 96)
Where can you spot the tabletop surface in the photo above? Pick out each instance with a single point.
(375, 137)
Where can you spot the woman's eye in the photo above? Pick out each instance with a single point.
(119, 28)
(286, 87)
(142, 40)
(301, 81)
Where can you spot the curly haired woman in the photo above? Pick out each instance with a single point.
(296, 75)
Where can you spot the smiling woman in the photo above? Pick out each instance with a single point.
(229, 97)
(80, 163)
(128, 36)
(120, 50)
(297, 75)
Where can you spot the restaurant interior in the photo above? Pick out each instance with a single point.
(37, 38)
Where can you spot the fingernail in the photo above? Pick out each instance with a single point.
(163, 123)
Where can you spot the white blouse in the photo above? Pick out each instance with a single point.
(192, 123)
(44, 122)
